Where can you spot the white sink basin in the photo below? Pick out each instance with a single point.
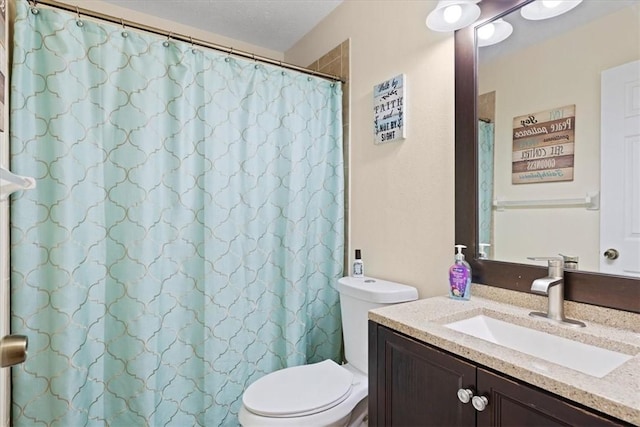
(591, 360)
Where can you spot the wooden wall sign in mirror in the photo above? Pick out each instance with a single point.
(607, 290)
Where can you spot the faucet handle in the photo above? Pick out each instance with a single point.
(554, 263)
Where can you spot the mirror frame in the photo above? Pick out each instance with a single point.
(618, 292)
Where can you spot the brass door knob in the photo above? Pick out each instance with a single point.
(611, 254)
(13, 350)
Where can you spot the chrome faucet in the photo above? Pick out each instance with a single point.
(553, 287)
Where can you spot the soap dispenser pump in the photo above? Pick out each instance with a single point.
(460, 276)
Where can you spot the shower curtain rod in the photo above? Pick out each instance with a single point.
(176, 36)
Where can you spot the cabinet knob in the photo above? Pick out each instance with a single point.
(465, 395)
(480, 403)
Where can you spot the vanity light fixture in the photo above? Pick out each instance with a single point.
(451, 15)
(544, 9)
(494, 32)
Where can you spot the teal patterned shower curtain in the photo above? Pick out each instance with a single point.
(485, 181)
(186, 231)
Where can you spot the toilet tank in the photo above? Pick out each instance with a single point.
(358, 295)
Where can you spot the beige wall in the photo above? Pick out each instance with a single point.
(401, 193)
(559, 72)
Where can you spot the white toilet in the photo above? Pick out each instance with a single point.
(325, 393)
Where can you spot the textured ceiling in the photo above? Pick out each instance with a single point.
(271, 24)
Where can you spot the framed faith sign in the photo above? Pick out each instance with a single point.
(388, 110)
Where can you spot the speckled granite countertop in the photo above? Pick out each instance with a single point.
(616, 394)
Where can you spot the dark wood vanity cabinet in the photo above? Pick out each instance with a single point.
(414, 384)
(411, 384)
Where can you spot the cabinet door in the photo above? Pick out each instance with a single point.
(416, 385)
(513, 403)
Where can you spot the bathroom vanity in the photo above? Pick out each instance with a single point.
(422, 372)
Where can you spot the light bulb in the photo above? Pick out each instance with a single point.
(486, 31)
(550, 4)
(452, 13)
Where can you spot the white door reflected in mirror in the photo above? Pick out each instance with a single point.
(620, 170)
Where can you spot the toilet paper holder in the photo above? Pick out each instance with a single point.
(13, 350)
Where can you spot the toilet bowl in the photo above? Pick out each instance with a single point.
(326, 393)
(321, 394)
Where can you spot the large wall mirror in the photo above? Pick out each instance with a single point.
(542, 195)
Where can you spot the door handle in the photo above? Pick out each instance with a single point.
(13, 350)
(611, 254)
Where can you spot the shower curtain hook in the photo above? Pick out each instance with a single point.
(124, 29)
(79, 22)
(166, 42)
(193, 49)
(34, 7)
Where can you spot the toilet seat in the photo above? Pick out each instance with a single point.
(299, 391)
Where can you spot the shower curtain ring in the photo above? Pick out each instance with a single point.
(34, 7)
(166, 42)
(124, 33)
(79, 22)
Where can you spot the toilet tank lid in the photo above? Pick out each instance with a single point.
(376, 290)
